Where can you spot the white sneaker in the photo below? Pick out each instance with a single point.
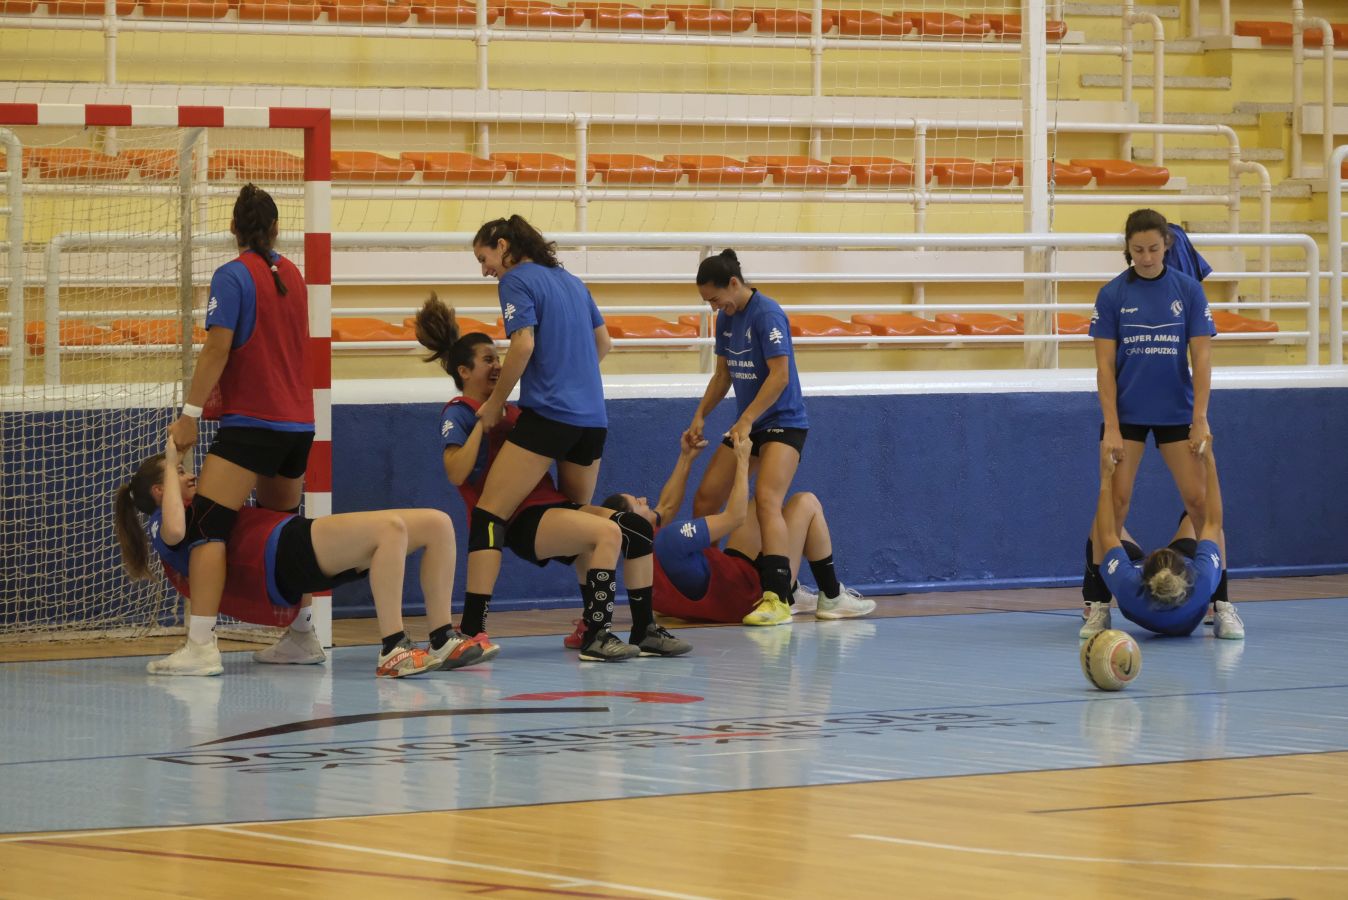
(295, 648)
(1227, 624)
(1096, 622)
(189, 659)
(847, 605)
(804, 600)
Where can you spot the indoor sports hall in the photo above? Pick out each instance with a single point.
(935, 193)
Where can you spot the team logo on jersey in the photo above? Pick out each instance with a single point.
(749, 333)
(509, 311)
(212, 306)
(725, 334)
(775, 335)
(1207, 313)
(1095, 315)
(1176, 308)
(1129, 309)
(1113, 565)
(446, 427)
(154, 530)
(688, 529)
(1216, 560)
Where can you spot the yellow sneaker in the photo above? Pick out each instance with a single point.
(769, 611)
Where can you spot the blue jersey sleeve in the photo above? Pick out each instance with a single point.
(1105, 318)
(457, 424)
(1199, 321)
(1207, 570)
(517, 304)
(233, 302)
(596, 317)
(772, 333)
(1122, 577)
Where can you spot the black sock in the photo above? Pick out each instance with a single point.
(474, 619)
(597, 593)
(825, 577)
(775, 574)
(391, 641)
(1219, 595)
(643, 617)
(1093, 587)
(439, 636)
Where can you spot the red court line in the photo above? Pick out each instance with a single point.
(483, 885)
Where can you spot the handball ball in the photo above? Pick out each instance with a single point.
(1110, 660)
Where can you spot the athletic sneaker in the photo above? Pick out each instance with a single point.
(577, 637)
(769, 611)
(1096, 622)
(406, 659)
(847, 605)
(804, 600)
(490, 649)
(189, 659)
(1227, 623)
(608, 647)
(659, 641)
(295, 648)
(458, 651)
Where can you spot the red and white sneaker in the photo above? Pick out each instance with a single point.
(575, 639)
(489, 649)
(405, 659)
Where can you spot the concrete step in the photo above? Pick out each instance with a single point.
(1281, 191)
(1253, 154)
(1177, 47)
(1180, 82)
(1308, 226)
(1259, 108)
(1232, 119)
(1115, 11)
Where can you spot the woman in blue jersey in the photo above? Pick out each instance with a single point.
(557, 339)
(1168, 590)
(754, 357)
(257, 337)
(275, 558)
(1149, 324)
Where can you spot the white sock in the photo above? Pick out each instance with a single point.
(304, 621)
(201, 629)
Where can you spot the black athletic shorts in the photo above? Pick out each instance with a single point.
(558, 440)
(1186, 547)
(792, 437)
(1161, 434)
(265, 451)
(731, 551)
(522, 535)
(297, 570)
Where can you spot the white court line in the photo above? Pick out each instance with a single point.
(1096, 859)
(77, 835)
(629, 775)
(458, 863)
(747, 752)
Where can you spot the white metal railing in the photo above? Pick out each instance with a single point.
(1300, 22)
(705, 243)
(1335, 249)
(14, 239)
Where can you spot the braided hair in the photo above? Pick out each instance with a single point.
(255, 216)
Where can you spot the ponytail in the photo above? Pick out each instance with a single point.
(1165, 578)
(719, 269)
(255, 214)
(438, 331)
(522, 239)
(136, 495)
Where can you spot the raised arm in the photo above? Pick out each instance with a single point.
(517, 359)
(1212, 524)
(1106, 534)
(714, 394)
(173, 516)
(459, 460)
(737, 506)
(671, 495)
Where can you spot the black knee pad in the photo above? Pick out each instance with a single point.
(638, 535)
(210, 520)
(487, 532)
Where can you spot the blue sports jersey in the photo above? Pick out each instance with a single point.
(1124, 579)
(1153, 321)
(678, 547)
(456, 424)
(562, 380)
(233, 305)
(1182, 256)
(748, 340)
(175, 557)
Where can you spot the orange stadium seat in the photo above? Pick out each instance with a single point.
(75, 162)
(621, 16)
(88, 7)
(185, 9)
(695, 320)
(631, 168)
(876, 171)
(1279, 34)
(363, 165)
(18, 7)
(870, 23)
(25, 161)
(717, 170)
(1064, 323)
(1008, 26)
(452, 12)
(973, 174)
(947, 25)
(154, 331)
(895, 324)
(790, 21)
(981, 323)
(362, 328)
(1063, 174)
(1228, 322)
(687, 17)
(456, 167)
(529, 14)
(74, 333)
(153, 165)
(280, 10)
(802, 170)
(1121, 173)
(542, 168)
(4, 337)
(466, 326)
(814, 325)
(255, 165)
(647, 327)
(368, 12)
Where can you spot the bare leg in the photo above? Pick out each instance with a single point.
(714, 490)
(578, 482)
(379, 541)
(1190, 479)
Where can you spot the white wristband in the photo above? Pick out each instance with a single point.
(192, 412)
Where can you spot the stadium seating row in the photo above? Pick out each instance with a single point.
(536, 14)
(79, 333)
(1279, 34)
(614, 168)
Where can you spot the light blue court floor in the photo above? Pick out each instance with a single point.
(100, 744)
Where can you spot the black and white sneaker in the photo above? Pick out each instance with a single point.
(607, 647)
(659, 641)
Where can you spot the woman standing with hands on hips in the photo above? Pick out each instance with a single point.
(754, 356)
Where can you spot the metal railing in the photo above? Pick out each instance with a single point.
(1336, 247)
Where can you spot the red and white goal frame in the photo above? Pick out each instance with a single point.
(316, 125)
